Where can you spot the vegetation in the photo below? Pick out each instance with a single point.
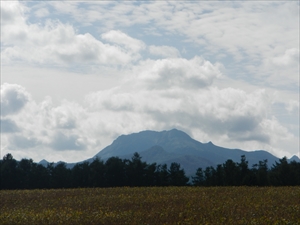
(152, 205)
(231, 173)
(116, 172)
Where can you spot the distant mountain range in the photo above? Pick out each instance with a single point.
(177, 146)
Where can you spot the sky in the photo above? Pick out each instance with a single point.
(76, 75)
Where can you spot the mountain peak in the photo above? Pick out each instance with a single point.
(141, 141)
(294, 158)
(177, 132)
(171, 145)
(43, 161)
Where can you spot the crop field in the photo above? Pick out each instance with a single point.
(155, 205)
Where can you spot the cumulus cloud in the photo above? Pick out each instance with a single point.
(64, 117)
(20, 142)
(13, 98)
(232, 112)
(8, 126)
(59, 43)
(292, 105)
(12, 12)
(40, 125)
(155, 94)
(283, 69)
(291, 56)
(42, 12)
(166, 73)
(226, 115)
(63, 142)
(164, 51)
(221, 25)
(245, 32)
(55, 42)
(120, 38)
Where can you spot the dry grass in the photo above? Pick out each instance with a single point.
(165, 205)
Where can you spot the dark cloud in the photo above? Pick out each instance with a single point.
(8, 126)
(13, 98)
(260, 137)
(242, 123)
(21, 142)
(63, 142)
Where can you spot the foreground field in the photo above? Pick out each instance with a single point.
(168, 205)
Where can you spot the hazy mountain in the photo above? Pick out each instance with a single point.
(294, 158)
(177, 146)
(44, 163)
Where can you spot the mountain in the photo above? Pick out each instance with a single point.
(44, 163)
(177, 146)
(294, 158)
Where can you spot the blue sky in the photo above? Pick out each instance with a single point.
(76, 75)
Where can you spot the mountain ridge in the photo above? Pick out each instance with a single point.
(165, 147)
(177, 146)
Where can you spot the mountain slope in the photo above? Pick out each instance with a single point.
(176, 146)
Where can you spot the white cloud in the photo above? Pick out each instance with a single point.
(240, 116)
(226, 115)
(13, 98)
(120, 38)
(245, 30)
(292, 105)
(60, 43)
(12, 12)
(164, 51)
(291, 56)
(166, 73)
(237, 53)
(42, 12)
(250, 32)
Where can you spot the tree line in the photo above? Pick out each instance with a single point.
(282, 173)
(116, 172)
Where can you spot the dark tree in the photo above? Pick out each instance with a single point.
(231, 173)
(261, 173)
(151, 175)
(198, 180)
(9, 173)
(209, 178)
(281, 173)
(40, 176)
(244, 172)
(26, 179)
(97, 171)
(136, 171)
(59, 175)
(163, 175)
(177, 175)
(219, 176)
(80, 175)
(295, 173)
(115, 172)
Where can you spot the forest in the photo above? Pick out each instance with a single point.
(134, 172)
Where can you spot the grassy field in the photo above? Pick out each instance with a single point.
(168, 205)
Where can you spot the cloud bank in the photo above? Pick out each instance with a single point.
(221, 71)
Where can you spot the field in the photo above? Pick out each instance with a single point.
(157, 205)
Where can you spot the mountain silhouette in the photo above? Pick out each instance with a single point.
(177, 146)
(165, 147)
